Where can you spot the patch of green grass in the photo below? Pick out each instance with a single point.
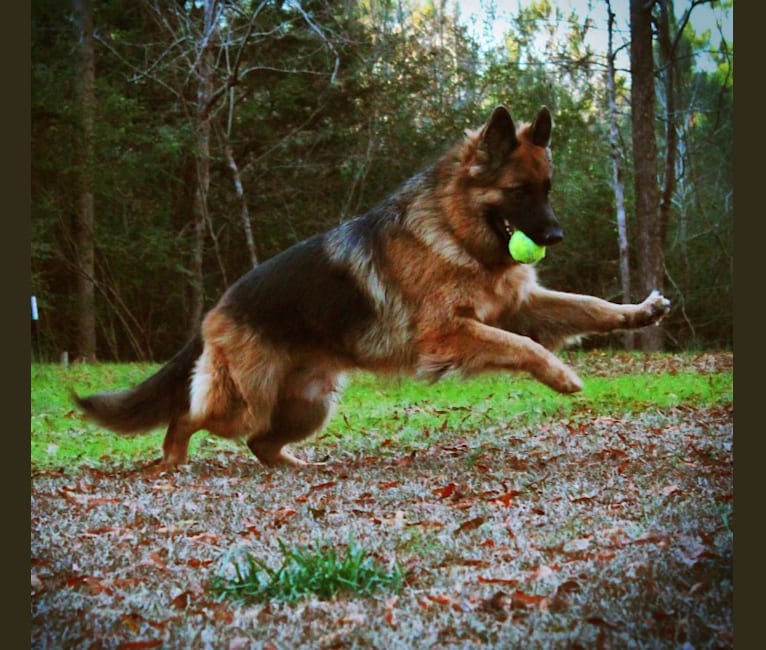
(373, 414)
(60, 437)
(323, 573)
(374, 410)
(632, 393)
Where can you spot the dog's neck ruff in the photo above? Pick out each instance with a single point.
(442, 241)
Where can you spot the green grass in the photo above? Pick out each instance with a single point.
(61, 438)
(411, 413)
(323, 573)
(373, 414)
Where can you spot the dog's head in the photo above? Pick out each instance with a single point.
(509, 177)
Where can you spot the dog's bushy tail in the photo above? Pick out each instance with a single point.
(151, 403)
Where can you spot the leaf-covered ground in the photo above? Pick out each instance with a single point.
(600, 530)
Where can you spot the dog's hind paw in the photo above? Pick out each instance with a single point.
(285, 459)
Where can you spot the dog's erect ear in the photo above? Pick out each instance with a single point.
(541, 128)
(498, 137)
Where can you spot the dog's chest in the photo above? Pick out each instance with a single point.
(502, 293)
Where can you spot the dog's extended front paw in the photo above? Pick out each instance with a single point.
(560, 377)
(570, 383)
(652, 310)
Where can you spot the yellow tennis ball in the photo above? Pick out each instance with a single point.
(524, 250)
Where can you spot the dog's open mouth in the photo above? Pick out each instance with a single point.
(503, 229)
(499, 218)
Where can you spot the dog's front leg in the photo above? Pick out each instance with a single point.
(470, 347)
(551, 317)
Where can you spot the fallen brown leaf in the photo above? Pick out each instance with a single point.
(471, 524)
(529, 600)
(498, 581)
(182, 600)
(597, 620)
(139, 645)
(446, 491)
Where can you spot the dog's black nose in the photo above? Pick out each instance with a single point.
(552, 236)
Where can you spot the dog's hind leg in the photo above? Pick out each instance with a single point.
(175, 447)
(306, 401)
(297, 420)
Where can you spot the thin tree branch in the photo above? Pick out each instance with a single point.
(315, 28)
(684, 20)
(139, 73)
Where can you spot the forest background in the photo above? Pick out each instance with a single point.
(176, 144)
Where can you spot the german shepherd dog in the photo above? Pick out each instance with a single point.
(422, 285)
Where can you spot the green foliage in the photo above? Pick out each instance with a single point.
(324, 572)
(326, 119)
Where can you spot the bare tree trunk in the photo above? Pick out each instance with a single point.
(233, 72)
(202, 160)
(619, 189)
(650, 252)
(667, 57)
(84, 215)
(246, 225)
